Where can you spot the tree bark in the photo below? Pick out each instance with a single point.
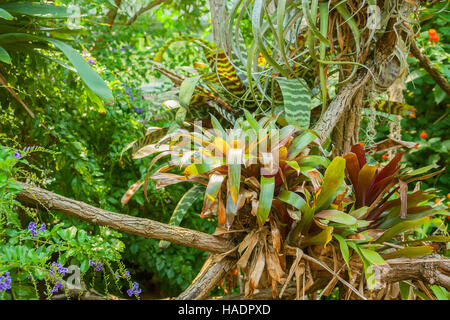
(219, 25)
(213, 271)
(432, 71)
(112, 14)
(34, 196)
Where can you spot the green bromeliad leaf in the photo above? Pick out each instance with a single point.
(5, 14)
(41, 10)
(297, 101)
(265, 199)
(401, 227)
(4, 56)
(187, 89)
(332, 180)
(300, 143)
(183, 205)
(292, 198)
(336, 216)
(410, 252)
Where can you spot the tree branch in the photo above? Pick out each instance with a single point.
(432, 71)
(112, 13)
(34, 196)
(213, 271)
(433, 269)
(148, 7)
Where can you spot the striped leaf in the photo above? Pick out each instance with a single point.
(148, 139)
(297, 101)
(225, 73)
(182, 207)
(394, 107)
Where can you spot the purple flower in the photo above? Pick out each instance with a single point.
(53, 79)
(117, 275)
(39, 75)
(42, 228)
(134, 290)
(17, 155)
(91, 61)
(91, 263)
(73, 79)
(5, 282)
(57, 286)
(98, 267)
(32, 225)
(64, 80)
(126, 274)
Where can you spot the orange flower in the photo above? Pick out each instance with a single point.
(411, 55)
(384, 157)
(437, 200)
(448, 195)
(412, 115)
(432, 32)
(361, 144)
(424, 135)
(434, 38)
(416, 146)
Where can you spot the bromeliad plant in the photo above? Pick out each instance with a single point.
(278, 190)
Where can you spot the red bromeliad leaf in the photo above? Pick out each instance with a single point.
(365, 178)
(360, 154)
(352, 165)
(389, 170)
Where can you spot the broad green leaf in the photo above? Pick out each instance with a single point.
(265, 199)
(234, 177)
(207, 164)
(401, 227)
(187, 89)
(89, 76)
(404, 290)
(336, 216)
(4, 56)
(293, 199)
(344, 250)
(368, 268)
(332, 180)
(314, 161)
(440, 292)
(358, 213)
(372, 256)
(320, 239)
(300, 143)
(182, 207)
(252, 121)
(297, 101)
(294, 165)
(214, 184)
(5, 14)
(218, 127)
(40, 10)
(410, 252)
